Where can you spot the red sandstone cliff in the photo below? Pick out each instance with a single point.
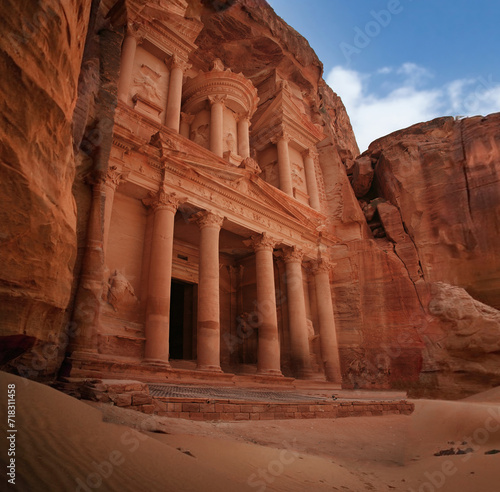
(41, 48)
(435, 197)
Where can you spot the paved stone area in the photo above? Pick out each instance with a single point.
(243, 394)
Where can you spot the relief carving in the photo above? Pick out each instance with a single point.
(200, 135)
(145, 83)
(230, 143)
(120, 292)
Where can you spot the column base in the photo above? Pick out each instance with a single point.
(311, 376)
(204, 368)
(156, 362)
(269, 372)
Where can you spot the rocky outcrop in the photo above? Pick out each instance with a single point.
(443, 178)
(41, 50)
(463, 352)
(435, 198)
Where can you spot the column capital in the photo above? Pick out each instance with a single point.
(187, 118)
(322, 265)
(133, 31)
(113, 177)
(293, 254)
(283, 135)
(205, 218)
(263, 242)
(162, 200)
(242, 117)
(175, 61)
(311, 152)
(217, 98)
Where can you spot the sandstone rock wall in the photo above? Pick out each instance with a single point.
(41, 49)
(435, 198)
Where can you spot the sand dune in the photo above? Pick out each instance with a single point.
(63, 444)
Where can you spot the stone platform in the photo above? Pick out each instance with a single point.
(234, 404)
(230, 403)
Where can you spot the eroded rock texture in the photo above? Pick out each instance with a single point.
(41, 49)
(435, 197)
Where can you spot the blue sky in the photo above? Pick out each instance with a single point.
(399, 62)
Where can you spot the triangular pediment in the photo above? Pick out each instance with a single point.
(230, 179)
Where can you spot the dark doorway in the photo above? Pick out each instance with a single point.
(181, 320)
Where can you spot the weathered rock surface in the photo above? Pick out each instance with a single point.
(438, 203)
(462, 357)
(443, 176)
(40, 55)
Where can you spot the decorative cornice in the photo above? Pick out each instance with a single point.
(206, 218)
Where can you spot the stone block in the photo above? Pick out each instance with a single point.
(149, 409)
(121, 400)
(141, 399)
(190, 407)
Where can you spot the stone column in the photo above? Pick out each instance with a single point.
(186, 120)
(327, 331)
(173, 112)
(88, 299)
(208, 331)
(113, 179)
(268, 352)
(312, 183)
(127, 64)
(217, 124)
(284, 170)
(244, 135)
(299, 339)
(164, 206)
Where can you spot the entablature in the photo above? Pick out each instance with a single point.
(283, 116)
(239, 93)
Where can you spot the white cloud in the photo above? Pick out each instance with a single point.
(409, 100)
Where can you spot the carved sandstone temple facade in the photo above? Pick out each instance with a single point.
(207, 251)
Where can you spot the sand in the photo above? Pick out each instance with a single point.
(63, 444)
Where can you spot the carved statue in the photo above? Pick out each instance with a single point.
(146, 84)
(120, 293)
(200, 135)
(230, 143)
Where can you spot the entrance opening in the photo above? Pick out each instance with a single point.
(181, 320)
